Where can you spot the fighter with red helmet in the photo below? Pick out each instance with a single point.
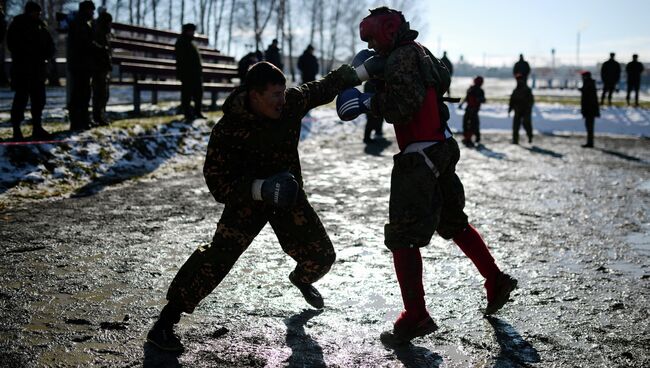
(426, 194)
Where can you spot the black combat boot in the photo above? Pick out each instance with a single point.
(309, 292)
(162, 333)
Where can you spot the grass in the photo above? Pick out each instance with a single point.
(58, 126)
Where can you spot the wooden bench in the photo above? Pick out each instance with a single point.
(147, 56)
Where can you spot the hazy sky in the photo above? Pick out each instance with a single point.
(496, 31)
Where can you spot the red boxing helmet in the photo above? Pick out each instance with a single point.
(381, 25)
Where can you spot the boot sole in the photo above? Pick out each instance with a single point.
(179, 349)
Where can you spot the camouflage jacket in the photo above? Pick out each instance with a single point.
(244, 146)
(406, 87)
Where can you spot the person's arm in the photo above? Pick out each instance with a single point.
(223, 170)
(405, 90)
(309, 95)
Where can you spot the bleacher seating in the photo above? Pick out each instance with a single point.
(145, 59)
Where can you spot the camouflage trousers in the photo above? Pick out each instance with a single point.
(300, 233)
(420, 202)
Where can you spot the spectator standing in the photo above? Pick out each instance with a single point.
(610, 74)
(521, 101)
(589, 106)
(31, 45)
(634, 70)
(102, 66)
(521, 67)
(308, 65)
(272, 55)
(445, 60)
(82, 51)
(189, 71)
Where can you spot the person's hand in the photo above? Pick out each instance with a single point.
(279, 190)
(349, 75)
(352, 103)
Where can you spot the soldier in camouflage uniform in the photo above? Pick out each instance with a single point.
(426, 194)
(252, 166)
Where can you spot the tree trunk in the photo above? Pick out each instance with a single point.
(182, 12)
(334, 34)
(321, 20)
(292, 70)
(170, 14)
(217, 23)
(138, 14)
(154, 9)
(131, 19)
(232, 13)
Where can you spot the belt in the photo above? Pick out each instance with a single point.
(419, 147)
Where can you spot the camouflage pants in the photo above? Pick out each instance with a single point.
(420, 203)
(300, 233)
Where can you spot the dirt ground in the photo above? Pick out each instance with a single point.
(83, 279)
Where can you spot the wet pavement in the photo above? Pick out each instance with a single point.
(83, 279)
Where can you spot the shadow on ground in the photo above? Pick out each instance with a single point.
(515, 351)
(544, 151)
(305, 351)
(482, 149)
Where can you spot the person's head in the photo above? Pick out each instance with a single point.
(266, 85)
(309, 49)
(611, 55)
(274, 42)
(586, 75)
(380, 29)
(635, 57)
(188, 29)
(478, 81)
(33, 10)
(87, 9)
(521, 57)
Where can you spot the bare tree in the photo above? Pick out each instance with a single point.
(259, 28)
(154, 10)
(170, 14)
(292, 70)
(217, 23)
(230, 22)
(334, 26)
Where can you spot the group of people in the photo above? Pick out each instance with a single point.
(522, 99)
(253, 167)
(610, 75)
(89, 65)
(307, 61)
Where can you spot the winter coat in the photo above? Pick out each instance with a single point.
(521, 67)
(272, 55)
(82, 48)
(610, 72)
(188, 60)
(521, 99)
(589, 106)
(634, 69)
(308, 65)
(244, 146)
(102, 34)
(31, 45)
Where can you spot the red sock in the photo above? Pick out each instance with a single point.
(408, 268)
(471, 243)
